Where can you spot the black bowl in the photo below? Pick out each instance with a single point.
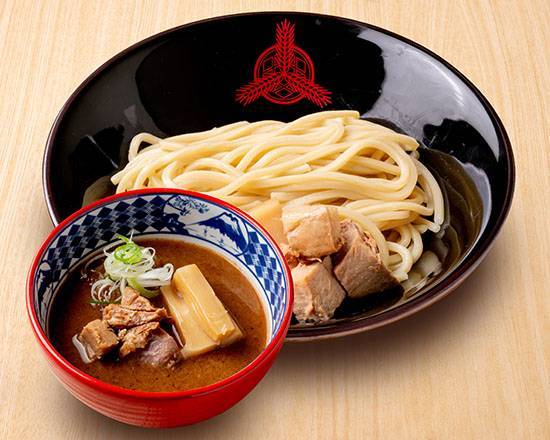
(187, 79)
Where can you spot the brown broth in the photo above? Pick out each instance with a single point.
(72, 311)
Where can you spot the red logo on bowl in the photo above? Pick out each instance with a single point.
(284, 74)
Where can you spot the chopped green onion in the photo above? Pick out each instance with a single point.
(129, 253)
(132, 282)
(123, 238)
(129, 264)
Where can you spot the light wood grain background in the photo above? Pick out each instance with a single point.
(472, 366)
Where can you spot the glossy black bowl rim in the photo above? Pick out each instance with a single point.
(438, 291)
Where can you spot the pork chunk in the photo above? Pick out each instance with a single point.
(313, 231)
(118, 316)
(358, 266)
(291, 258)
(136, 338)
(98, 339)
(317, 293)
(162, 350)
(133, 300)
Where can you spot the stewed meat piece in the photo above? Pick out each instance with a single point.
(136, 338)
(98, 339)
(133, 300)
(358, 266)
(162, 350)
(313, 231)
(118, 316)
(317, 293)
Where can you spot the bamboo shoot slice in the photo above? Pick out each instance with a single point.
(196, 340)
(209, 312)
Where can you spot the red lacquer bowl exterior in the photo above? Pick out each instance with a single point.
(162, 409)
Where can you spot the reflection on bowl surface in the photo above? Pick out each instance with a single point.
(185, 80)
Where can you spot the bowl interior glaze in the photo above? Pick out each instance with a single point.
(186, 79)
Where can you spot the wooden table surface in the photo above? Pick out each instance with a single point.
(475, 365)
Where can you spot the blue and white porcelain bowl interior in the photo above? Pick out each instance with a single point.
(173, 214)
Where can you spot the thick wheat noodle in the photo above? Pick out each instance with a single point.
(404, 234)
(371, 187)
(370, 172)
(418, 246)
(401, 269)
(316, 197)
(381, 207)
(270, 144)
